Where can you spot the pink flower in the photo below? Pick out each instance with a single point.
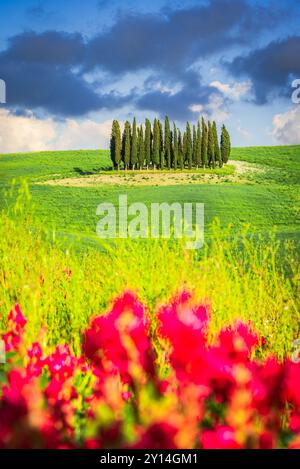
(16, 318)
(185, 327)
(267, 384)
(238, 341)
(120, 395)
(292, 380)
(221, 437)
(107, 338)
(16, 328)
(36, 362)
(61, 363)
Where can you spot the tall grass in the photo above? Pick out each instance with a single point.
(240, 275)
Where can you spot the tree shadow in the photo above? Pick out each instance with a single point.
(82, 172)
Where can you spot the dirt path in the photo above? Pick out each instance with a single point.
(151, 178)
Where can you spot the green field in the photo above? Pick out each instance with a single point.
(266, 197)
(242, 273)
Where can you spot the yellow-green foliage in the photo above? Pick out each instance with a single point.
(59, 287)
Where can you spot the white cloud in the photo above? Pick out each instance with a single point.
(19, 133)
(163, 87)
(234, 91)
(27, 133)
(196, 108)
(286, 126)
(84, 134)
(217, 108)
(214, 110)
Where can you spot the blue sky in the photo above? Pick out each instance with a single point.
(72, 66)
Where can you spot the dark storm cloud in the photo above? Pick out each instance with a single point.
(178, 103)
(59, 92)
(178, 38)
(39, 72)
(47, 70)
(55, 89)
(50, 47)
(271, 68)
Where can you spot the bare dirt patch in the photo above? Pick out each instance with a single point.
(241, 167)
(157, 178)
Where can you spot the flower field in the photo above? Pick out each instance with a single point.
(103, 352)
(133, 388)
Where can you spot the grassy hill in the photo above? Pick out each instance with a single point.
(266, 194)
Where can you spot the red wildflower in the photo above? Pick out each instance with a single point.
(16, 319)
(107, 338)
(221, 437)
(266, 440)
(16, 327)
(64, 401)
(158, 436)
(36, 362)
(238, 341)
(267, 381)
(61, 363)
(185, 326)
(295, 422)
(292, 379)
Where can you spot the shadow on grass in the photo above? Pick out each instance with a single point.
(82, 172)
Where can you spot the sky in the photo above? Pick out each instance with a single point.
(72, 67)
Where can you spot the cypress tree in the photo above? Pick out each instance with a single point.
(156, 144)
(118, 144)
(138, 147)
(184, 148)
(204, 144)
(180, 151)
(141, 147)
(167, 143)
(115, 144)
(225, 145)
(175, 147)
(194, 146)
(123, 146)
(218, 157)
(148, 143)
(133, 155)
(126, 145)
(228, 145)
(189, 146)
(161, 146)
(210, 146)
(166, 147)
(198, 150)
